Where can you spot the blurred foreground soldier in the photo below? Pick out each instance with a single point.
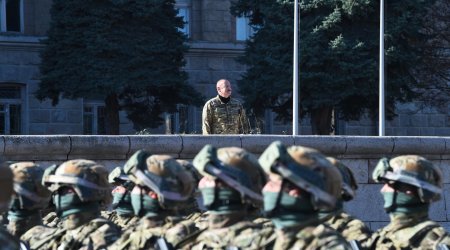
(223, 114)
(411, 184)
(29, 197)
(80, 189)
(7, 241)
(122, 213)
(162, 190)
(230, 189)
(353, 230)
(301, 181)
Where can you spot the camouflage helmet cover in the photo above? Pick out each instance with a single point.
(412, 170)
(28, 186)
(163, 175)
(6, 187)
(88, 178)
(306, 168)
(349, 184)
(234, 166)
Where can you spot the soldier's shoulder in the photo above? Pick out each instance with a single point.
(212, 101)
(322, 237)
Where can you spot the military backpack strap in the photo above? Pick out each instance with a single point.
(354, 245)
(422, 229)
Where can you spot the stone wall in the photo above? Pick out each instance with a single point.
(359, 153)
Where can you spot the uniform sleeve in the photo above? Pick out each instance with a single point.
(244, 125)
(206, 119)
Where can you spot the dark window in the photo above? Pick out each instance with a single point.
(12, 15)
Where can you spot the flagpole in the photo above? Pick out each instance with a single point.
(295, 73)
(381, 116)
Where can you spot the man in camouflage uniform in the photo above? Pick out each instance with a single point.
(29, 197)
(162, 189)
(7, 241)
(122, 213)
(301, 182)
(223, 114)
(353, 229)
(230, 189)
(411, 184)
(80, 189)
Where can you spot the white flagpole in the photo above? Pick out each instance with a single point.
(295, 72)
(381, 116)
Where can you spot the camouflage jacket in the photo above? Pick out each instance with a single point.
(122, 221)
(20, 226)
(7, 242)
(319, 237)
(409, 234)
(224, 118)
(146, 235)
(349, 227)
(96, 234)
(242, 235)
(52, 220)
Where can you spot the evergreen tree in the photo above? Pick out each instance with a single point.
(338, 56)
(127, 52)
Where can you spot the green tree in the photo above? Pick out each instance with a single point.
(338, 57)
(127, 52)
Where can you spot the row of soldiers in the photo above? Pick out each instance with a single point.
(289, 198)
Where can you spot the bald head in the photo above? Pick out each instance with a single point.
(223, 88)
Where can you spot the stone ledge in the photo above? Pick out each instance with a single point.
(60, 147)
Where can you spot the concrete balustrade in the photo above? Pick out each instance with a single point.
(361, 154)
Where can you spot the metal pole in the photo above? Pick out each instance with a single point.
(381, 130)
(295, 73)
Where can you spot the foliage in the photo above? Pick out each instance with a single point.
(131, 50)
(338, 60)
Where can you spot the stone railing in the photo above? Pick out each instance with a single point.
(359, 153)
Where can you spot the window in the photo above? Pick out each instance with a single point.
(11, 15)
(243, 29)
(183, 7)
(11, 110)
(94, 119)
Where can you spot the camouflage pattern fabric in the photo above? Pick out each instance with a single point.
(52, 220)
(409, 234)
(148, 231)
(224, 118)
(97, 234)
(19, 227)
(7, 242)
(122, 221)
(349, 227)
(319, 237)
(241, 235)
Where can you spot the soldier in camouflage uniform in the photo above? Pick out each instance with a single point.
(80, 189)
(162, 189)
(7, 241)
(122, 213)
(29, 197)
(223, 114)
(230, 189)
(411, 184)
(353, 229)
(301, 182)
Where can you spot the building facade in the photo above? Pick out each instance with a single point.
(216, 39)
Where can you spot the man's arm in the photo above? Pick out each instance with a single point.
(243, 122)
(206, 119)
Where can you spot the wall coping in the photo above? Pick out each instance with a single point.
(63, 147)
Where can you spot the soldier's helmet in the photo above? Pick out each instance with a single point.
(162, 174)
(117, 176)
(307, 169)
(235, 167)
(29, 193)
(349, 184)
(6, 187)
(412, 170)
(88, 179)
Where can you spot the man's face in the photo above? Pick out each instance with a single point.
(224, 88)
